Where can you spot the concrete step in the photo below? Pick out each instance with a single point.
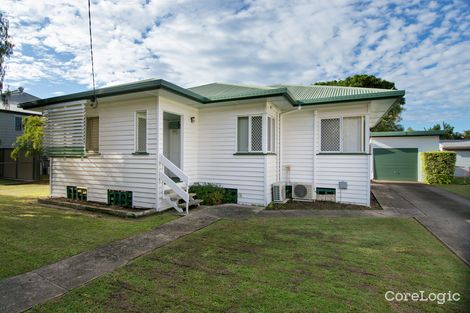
(192, 203)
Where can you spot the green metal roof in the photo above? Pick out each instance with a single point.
(408, 133)
(218, 92)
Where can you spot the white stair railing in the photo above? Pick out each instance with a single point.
(164, 163)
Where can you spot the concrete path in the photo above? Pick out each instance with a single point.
(21, 292)
(444, 214)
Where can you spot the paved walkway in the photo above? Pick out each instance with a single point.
(445, 214)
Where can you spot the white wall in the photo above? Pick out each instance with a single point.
(298, 146)
(301, 152)
(462, 164)
(190, 138)
(423, 143)
(116, 168)
(216, 160)
(351, 168)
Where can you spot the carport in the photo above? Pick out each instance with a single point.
(395, 155)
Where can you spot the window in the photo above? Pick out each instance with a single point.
(141, 131)
(18, 123)
(93, 134)
(271, 134)
(345, 134)
(252, 132)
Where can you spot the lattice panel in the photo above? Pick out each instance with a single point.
(330, 134)
(256, 133)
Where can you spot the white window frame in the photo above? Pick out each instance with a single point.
(91, 152)
(265, 130)
(271, 129)
(136, 132)
(341, 135)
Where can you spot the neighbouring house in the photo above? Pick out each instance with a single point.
(11, 126)
(143, 139)
(461, 147)
(395, 155)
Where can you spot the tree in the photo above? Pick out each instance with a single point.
(390, 122)
(6, 47)
(466, 134)
(31, 141)
(448, 131)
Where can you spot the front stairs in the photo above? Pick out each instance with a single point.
(175, 201)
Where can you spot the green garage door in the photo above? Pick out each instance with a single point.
(396, 164)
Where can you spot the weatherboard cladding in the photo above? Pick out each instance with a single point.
(217, 92)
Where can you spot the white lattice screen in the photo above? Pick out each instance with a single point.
(330, 134)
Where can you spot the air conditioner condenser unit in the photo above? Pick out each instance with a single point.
(302, 191)
(279, 192)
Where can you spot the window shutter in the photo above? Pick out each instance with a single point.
(330, 134)
(92, 134)
(256, 133)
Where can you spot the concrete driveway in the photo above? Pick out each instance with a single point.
(444, 214)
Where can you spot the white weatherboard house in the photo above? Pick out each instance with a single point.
(143, 136)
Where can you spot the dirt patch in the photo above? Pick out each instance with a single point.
(323, 205)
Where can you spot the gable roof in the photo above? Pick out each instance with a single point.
(219, 92)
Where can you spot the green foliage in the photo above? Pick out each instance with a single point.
(213, 194)
(448, 129)
(6, 46)
(466, 134)
(390, 122)
(31, 141)
(438, 167)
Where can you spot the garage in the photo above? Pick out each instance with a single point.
(395, 155)
(396, 164)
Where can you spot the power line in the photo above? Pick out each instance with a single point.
(91, 53)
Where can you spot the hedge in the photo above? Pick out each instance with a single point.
(438, 167)
(213, 194)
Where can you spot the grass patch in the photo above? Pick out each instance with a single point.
(281, 265)
(32, 236)
(460, 186)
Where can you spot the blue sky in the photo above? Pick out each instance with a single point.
(423, 46)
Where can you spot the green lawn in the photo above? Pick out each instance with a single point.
(282, 265)
(460, 187)
(32, 236)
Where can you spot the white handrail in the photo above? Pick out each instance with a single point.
(184, 194)
(167, 180)
(174, 169)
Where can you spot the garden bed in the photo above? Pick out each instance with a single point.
(99, 207)
(323, 205)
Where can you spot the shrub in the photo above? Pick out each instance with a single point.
(438, 167)
(213, 194)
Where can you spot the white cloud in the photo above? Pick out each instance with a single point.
(422, 46)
